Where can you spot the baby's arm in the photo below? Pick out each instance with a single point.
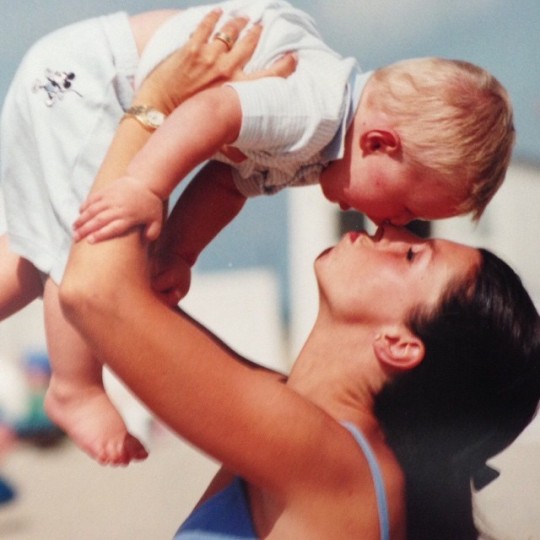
(192, 134)
(205, 207)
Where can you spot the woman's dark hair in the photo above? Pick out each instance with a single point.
(474, 392)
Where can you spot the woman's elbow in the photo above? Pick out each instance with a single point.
(103, 280)
(83, 295)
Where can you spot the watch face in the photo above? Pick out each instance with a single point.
(147, 116)
(155, 117)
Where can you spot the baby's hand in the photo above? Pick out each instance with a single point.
(171, 277)
(115, 209)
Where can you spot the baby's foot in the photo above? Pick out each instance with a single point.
(90, 419)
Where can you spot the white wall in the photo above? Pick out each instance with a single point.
(509, 227)
(312, 228)
(242, 308)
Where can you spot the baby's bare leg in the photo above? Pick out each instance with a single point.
(76, 399)
(20, 282)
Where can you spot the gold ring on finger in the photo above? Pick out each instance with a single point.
(225, 38)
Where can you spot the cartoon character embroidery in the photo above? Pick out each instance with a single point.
(57, 83)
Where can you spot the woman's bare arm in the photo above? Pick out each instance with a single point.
(194, 131)
(240, 415)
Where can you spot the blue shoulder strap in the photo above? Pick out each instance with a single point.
(378, 480)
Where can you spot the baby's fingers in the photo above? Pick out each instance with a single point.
(90, 210)
(91, 223)
(108, 231)
(90, 201)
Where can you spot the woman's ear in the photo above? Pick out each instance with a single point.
(384, 140)
(398, 349)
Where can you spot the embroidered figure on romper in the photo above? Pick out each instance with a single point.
(57, 83)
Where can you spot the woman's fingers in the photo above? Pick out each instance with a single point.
(206, 61)
(245, 47)
(227, 35)
(242, 51)
(282, 67)
(201, 63)
(224, 38)
(204, 30)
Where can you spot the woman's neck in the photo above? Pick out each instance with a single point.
(338, 371)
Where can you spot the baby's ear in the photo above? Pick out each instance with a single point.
(398, 348)
(384, 140)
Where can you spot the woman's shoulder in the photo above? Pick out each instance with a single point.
(369, 481)
(341, 491)
(387, 482)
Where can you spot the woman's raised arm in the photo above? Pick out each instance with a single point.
(106, 295)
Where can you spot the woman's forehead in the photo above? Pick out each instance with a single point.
(458, 261)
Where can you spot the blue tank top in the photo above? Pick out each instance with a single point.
(226, 515)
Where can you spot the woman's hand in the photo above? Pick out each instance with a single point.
(199, 64)
(203, 63)
(171, 276)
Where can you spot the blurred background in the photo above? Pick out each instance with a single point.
(254, 284)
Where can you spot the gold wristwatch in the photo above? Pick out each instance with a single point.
(149, 117)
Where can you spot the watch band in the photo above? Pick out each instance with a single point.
(149, 117)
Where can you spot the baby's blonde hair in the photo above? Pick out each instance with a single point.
(453, 118)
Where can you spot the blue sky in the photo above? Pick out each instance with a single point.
(492, 33)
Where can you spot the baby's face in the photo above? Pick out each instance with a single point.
(392, 194)
(407, 199)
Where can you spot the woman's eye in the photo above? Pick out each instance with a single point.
(410, 254)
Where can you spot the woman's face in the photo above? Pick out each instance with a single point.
(380, 278)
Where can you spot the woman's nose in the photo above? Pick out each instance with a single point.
(398, 220)
(395, 233)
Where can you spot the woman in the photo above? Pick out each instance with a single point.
(422, 363)
(423, 359)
